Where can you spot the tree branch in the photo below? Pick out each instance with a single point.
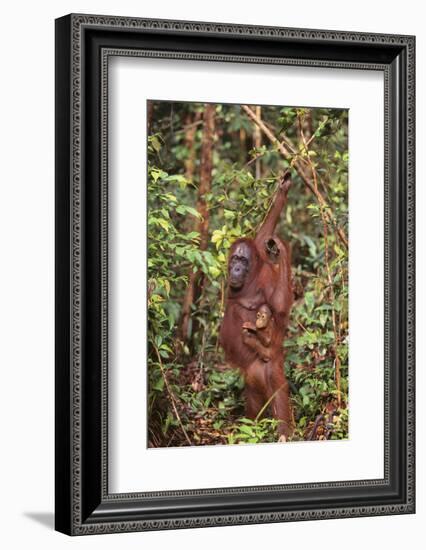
(294, 162)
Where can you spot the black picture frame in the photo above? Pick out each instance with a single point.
(83, 46)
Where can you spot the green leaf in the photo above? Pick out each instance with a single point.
(164, 224)
(155, 142)
(214, 271)
(193, 235)
(246, 429)
(194, 212)
(159, 385)
(167, 286)
(310, 301)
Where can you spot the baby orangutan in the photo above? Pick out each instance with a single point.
(262, 372)
(258, 336)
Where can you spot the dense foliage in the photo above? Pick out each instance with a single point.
(193, 397)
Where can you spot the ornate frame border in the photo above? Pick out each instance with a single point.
(85, 507)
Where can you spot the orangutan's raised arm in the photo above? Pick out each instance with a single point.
(272, 217)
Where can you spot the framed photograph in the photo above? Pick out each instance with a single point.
(234, 274)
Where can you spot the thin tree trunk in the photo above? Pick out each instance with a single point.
(243, 147)
(307, 125)
(149, 113)
(257, 138)
(202, 226)
(190, 122)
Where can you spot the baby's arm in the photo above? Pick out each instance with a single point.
(251, 339)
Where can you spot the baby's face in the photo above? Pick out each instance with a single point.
(262, 317)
